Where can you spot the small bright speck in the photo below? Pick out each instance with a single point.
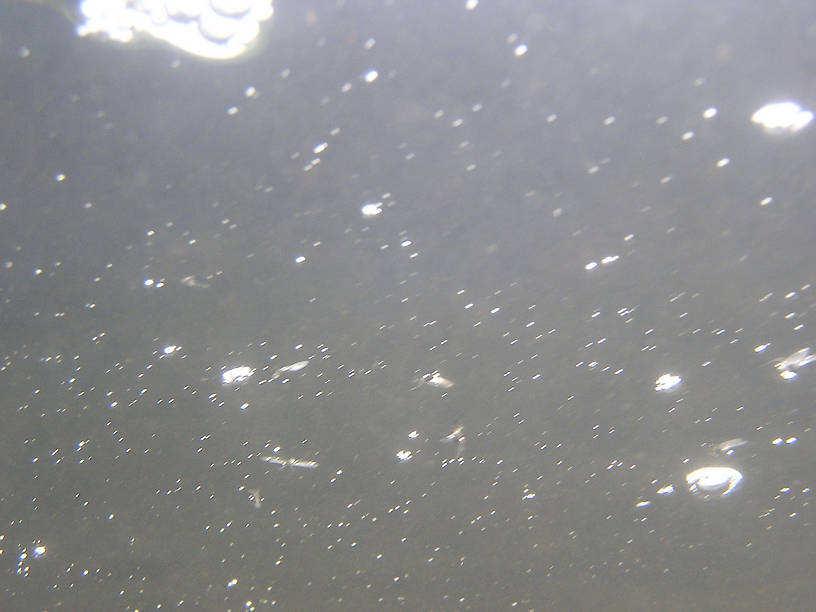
(169, 350)
(710, 113)
(667, 490)
(300, 259)
(320, 148)
(232, 583)
(667, 382)
(609, 259)
(148, 282)
(38, 551)
(520, 50)
(591, 265)
(370, 76)
(414, 434)
(404, 455)
(766, 201)
(643, 504)
(371, 209)
(471, 4)
(761, 348)
(723, 162)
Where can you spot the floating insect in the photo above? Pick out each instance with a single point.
(290, 462)
(458, 435)
(799, 359)
(433, 379)
(727, 447)
(192, 281)
(292, 367)
(255, 497)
